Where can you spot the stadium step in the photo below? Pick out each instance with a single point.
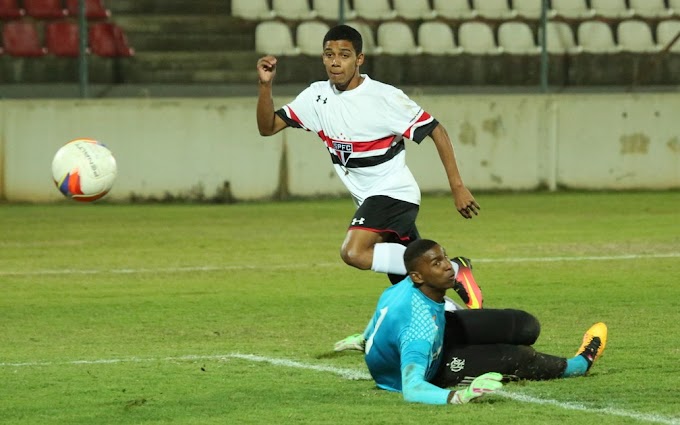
(177, 7)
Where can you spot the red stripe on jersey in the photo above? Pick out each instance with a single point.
(423, 119)
(293, 116)
(367, 146)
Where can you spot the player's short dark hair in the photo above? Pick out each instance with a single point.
(415, 250)
(345, 32)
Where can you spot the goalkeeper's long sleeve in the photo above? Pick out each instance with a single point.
(416, 389)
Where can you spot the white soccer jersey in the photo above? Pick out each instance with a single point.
(364, 130)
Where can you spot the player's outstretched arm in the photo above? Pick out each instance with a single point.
(268, 123)
(465, 202)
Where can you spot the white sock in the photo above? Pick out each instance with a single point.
(451, 305)
(455, 268)
(389, 258)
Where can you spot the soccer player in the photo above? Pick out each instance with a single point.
(414, 347)
(363, 124)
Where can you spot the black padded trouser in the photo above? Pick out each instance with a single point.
(494, 340)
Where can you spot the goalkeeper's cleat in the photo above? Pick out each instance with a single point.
(484, 384)
(594, 342)
(352, 342)
(465, 286)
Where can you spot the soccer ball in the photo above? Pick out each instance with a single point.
(84, 170)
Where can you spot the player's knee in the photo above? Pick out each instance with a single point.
(354, 258)
(527, 328)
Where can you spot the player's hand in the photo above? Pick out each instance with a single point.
(465, 203)
(484, 384)
(266, 69)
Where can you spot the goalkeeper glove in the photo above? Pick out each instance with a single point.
(465, 285)
(484, 384)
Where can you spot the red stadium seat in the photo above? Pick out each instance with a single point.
(63, 38)
(9, 9)
(21, 38)
(94, 9)
(45, 9)
(108, 40)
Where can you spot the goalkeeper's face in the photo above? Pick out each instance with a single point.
(434, 271)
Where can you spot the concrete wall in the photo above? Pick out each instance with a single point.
(190, 148)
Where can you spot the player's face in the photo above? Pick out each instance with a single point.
(342, 64)
(434, 271)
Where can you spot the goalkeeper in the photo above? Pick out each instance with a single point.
(413, 346)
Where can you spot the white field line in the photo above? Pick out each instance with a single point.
(189, 269)
(353, 374)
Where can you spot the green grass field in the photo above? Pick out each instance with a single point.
(227, 314)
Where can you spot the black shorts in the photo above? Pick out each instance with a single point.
(382, 214)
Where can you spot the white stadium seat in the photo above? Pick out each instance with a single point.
(436, 38)
(650, 8)
(596, 37)
(454, 9)
(254, 10)
(477, 38)
(560, 39)
(274, 38)
(374, 9)
(611, 8)
(414, 9)
(516, 38)
(530, 8)
(572, 9)
(666, 32)
(330, 9)
(309, 36)
(636, 36)
(396, 38)
(494, 9)
(293, 9)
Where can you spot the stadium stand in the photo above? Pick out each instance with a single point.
(9, 9)
(62, 38)
(414, 9)
(636, 36)
(650, 8)
(45, 9)
(309, 35)
(674, 5)
(396, 38)
(436, 38)
(616, 9)
(274, 38)
(21, 39)
(666, 32)
(293, 9)
(575, 9)
(560, 39)
(476, 37)
(517, 38)
(375, 10)
(94, 9)
(596, 37)
(330, 9)
(108, 40)
(494, 9)
(253, 10)
(454, 9)
(530, 9)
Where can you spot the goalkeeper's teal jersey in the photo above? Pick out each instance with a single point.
(404, 343)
